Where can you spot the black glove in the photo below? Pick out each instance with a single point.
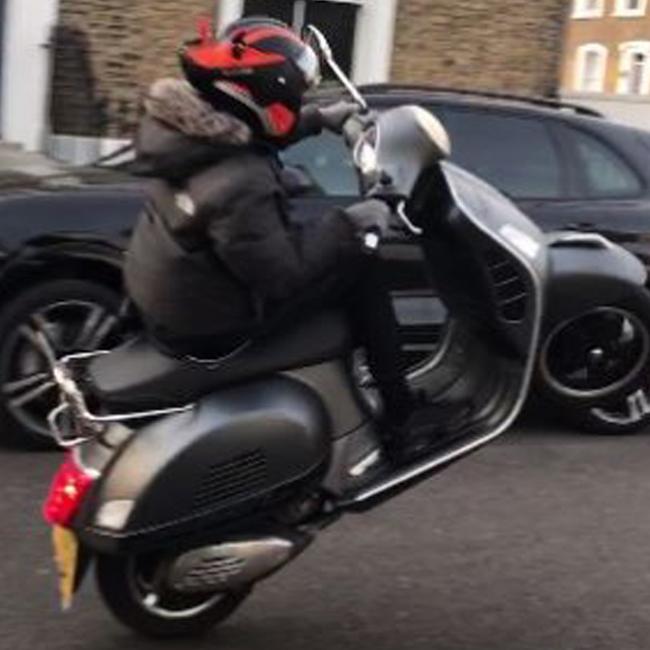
(333, 117)
(369, 216)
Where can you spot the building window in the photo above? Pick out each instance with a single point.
(631, 8)
(335, 18)
(591, 66)
(634, 71)
(588, 8)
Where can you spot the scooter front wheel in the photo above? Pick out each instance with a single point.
(134, 590)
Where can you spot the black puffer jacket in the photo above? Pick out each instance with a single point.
(216, 250)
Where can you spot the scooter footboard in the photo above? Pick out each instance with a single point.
(481, 385)
(231, 453)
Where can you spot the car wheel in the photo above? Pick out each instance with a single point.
(596, 368)
(48, 320)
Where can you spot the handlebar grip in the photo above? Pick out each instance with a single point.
(353, 130)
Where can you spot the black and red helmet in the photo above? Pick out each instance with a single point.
(258, 69)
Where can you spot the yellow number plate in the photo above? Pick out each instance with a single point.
(66, 556)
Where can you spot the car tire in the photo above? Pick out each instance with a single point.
(624, 408)
(71, 315)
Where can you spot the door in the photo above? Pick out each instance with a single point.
(336, 19)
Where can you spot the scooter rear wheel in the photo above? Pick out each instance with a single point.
(132, 589)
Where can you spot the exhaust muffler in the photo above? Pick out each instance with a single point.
(230, 566)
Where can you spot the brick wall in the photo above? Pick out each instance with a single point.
(502, 45)
(106, 52)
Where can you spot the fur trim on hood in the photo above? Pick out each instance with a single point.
(175, 103)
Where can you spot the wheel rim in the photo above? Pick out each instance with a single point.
(147, 588)
(596, 354)
(53, 331)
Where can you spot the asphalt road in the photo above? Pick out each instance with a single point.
(540, 542)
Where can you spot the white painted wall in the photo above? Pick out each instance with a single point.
(374, 42)
(229, 11)
(26, 70)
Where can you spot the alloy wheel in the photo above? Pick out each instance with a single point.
(48, 333)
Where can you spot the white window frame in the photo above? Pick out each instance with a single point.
(581, 11)
(626, 52)
(375, 25)
(622, 10)
(581, 66)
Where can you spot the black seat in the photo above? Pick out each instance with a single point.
(139, 376)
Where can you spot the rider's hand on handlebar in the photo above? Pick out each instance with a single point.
(371, 216)
(333, 117)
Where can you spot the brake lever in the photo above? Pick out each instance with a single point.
(400, 210)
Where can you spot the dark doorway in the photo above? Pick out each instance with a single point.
(337, 20)
(280, 9)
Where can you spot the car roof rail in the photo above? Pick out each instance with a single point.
(545, 102)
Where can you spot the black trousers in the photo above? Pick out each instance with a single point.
(360, 288)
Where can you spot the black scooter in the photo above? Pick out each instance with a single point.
(190, 481)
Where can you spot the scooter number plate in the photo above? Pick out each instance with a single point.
(66, 557)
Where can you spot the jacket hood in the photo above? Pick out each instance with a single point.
(181, 133)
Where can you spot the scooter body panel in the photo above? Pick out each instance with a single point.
(219, 461)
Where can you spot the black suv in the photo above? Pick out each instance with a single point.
(60, 281)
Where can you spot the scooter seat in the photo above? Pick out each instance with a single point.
(139, 376)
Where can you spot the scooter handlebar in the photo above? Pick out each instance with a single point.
(354, 127)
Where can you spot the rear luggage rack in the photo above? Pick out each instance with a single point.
(72, 422)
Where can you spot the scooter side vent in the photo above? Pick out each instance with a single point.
(509, 286)
(232, 480)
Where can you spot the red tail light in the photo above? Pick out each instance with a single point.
(67, 492)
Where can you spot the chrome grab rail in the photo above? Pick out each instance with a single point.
(73, 403)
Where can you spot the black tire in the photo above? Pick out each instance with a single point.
(117, 579)
(604, 414)
(598, 421)
(52, 307)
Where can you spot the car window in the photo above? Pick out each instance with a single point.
(605, 174)
(515, 154)
(327, 162)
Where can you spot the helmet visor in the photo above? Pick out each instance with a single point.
(309, 65)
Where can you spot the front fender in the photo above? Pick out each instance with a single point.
(587, 272)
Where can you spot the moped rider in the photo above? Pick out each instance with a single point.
(217, 259)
